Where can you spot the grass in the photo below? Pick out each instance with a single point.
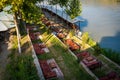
(45, 56)
(99, 72)
(112, 66)
(36, 41)
(21, 66)
(107, 65)
(67, 63)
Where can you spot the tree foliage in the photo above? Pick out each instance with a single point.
(74, 8)
(60, 2)
(25, 9)
(63, 3)
(2, 2)
(31, 13)
(53, 2)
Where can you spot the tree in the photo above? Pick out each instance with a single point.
(63, 3)
(23, 9)
(74, 8)
(54, 2)
(30, 12)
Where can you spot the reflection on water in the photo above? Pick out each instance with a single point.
(103, 18)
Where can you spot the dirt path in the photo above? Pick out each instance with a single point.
(5, 46)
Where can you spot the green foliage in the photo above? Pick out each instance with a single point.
(31, 13)
(53, 2)
(60, 2)
(114, 56)
(71, 33)
(97, 48)
(45, 56)
(63, 3)
(3, 3)
(22, 28)
(91, 42)
(74, 8)
(85, 37)
(99, 72)
(21, 68)
(25, 9)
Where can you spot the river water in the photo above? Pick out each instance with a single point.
(102, 22)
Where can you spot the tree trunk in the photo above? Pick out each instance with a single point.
(17, 31)
(23, 22)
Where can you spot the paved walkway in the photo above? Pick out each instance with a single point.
(4, 56)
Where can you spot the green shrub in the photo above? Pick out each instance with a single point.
(114, 56)
(21, 67)
(22, 28)
(97, 48)
(71, 33)
(91, 42)
(85, 37)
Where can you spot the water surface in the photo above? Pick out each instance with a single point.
(103, 18)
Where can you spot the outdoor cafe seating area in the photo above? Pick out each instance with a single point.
(49, 67)
(90, 61)
(61, 35)
(39, 48)
(83, 55)
(111, 76)
(87, 59)
(47, 71)
(57, 29)
(34, 36)
(31, 29)
(72, 45)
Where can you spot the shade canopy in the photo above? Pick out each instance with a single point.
(3, 27)
(6, 21)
